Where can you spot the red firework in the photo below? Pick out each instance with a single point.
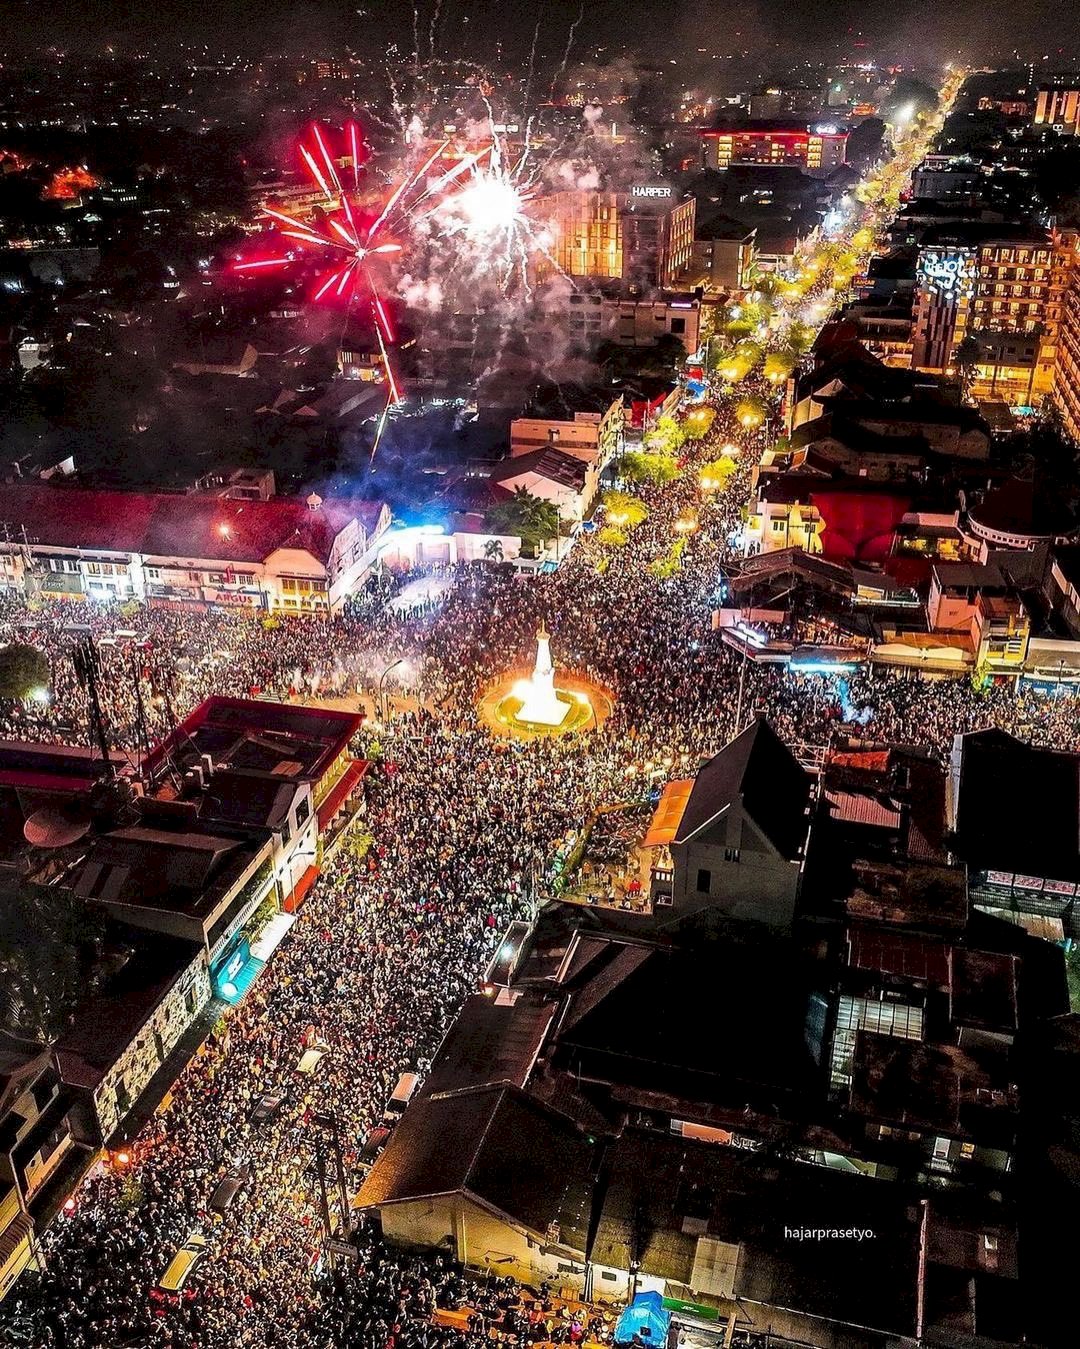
(348, 235)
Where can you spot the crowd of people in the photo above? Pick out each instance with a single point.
(390, 942)
(395, 934)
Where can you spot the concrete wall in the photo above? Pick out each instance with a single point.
(480, 1239)
(153, 1042)
(747, 879)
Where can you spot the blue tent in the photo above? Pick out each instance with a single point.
(645, 1318)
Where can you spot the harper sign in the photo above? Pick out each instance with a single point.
(649, 190)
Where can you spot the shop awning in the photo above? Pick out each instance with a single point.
(303, 885)
(341, 791)
(668, 814)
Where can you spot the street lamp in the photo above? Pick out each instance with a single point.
(382, 682)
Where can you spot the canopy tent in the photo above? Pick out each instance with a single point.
(644, 1322)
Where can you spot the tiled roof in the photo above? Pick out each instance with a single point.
(549, 463)
(167, 525)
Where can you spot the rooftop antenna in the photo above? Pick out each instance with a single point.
(141, 727)
(87, 664)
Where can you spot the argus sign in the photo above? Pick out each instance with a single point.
(650, 190)
(946, 273)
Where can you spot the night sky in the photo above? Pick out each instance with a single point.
(895, 29)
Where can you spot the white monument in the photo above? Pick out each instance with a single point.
(539, 702)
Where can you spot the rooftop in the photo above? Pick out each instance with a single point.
(471, 1141)
(710, 1204)
(106, 1021)
(554, 465)
(1018, 806)
(177, 525)
(758, 768)
(255, 735)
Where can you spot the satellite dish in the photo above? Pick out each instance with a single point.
(51, 827)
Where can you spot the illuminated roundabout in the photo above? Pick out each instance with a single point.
(537, 707)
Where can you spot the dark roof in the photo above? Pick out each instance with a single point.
(264, 736)
(976, 233)
(1018, 807)
(490, 1043)
(247, 798)
(905, 1081)
(849, 433)
(552, 399)
(763, 125)
(185, 872)
(665, 1195)
(55, 768)
(722, 227)
(497, 1145)
(555, 465)
(1022, 506)
(758, 767)
(105, 1023)
(985, 989)
(627, 1022)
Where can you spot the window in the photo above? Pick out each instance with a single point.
(303, 810)
(704, 881)
(678, 327)
(731, 854)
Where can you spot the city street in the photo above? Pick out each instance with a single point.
(389, 943)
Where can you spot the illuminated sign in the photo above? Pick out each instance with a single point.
(827, 129)
(649, 190)
(947, 272)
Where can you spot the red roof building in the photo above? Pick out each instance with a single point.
(283, 554)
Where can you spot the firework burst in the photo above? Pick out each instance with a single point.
(343, 232)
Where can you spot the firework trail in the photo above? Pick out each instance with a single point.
(341, 235)
(569, 46)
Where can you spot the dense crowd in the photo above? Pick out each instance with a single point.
(392, 939)
(389, 943)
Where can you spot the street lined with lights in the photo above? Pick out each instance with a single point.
(455, 843)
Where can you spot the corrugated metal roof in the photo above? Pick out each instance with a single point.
(668, 814)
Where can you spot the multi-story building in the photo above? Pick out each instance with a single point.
(948, 178)
(645, 235)
(817, 150)
(125, 1031)
(39, 1156)
(282, 555)
(597, 316)
(1058, 106)
(591, 434)
(783, 101)
(1067, 364)
(725, 253)
(1002, 288)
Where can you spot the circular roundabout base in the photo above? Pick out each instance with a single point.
(588, 706)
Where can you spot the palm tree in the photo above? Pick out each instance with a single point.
(529, 517)
(966, 360)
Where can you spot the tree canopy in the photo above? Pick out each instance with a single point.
(623, 509)
(527, 516)
(648, 468)
(24, 671)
